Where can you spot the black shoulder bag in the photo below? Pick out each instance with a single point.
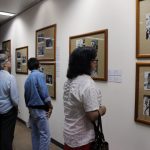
(99, 143)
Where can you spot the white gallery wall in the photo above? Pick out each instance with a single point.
(75, 17)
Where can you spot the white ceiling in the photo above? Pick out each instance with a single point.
(15, 6)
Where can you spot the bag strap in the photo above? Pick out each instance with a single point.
(98, 128)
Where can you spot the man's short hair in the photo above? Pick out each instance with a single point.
(33, 63)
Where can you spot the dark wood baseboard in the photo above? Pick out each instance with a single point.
(52, 140)
(57, 143)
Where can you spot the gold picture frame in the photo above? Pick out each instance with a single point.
(49, 69)
(99, 40)
(22, 60)
(6, 46)
(142, 94)
(142, 28)
(46, 43)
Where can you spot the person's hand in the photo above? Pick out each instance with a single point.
(48, 114)
(102, 110)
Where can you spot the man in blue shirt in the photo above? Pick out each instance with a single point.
(38, 101)
(8, 103)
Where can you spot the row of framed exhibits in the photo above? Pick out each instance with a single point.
(142, 92)
(45, 50)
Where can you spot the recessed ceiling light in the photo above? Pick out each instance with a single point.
(6, 14)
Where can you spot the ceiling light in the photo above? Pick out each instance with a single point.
(6, 14)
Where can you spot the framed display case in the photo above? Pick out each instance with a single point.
(143, 28)
(21, 60)
(46, 43)
(49, 69)
(99, 40)
(142, 96)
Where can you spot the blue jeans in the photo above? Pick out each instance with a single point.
(40, 130)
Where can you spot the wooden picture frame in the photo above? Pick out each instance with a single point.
(6, 46)
(142, 28)
(46, 43)
(99, 40)
(49, 69)
(22, 60)
(142, 94)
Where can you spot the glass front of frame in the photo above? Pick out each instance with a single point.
(21, 60)
(99, 41)
(6, 46)
(49, 70)
(46, 43)
(142, 101)
(143, 29)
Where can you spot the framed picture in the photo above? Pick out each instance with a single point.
(142, 96)
(46, 43)
(6, 46)
(49, 69)
(98, 40)
(21, 60)
(142, 28)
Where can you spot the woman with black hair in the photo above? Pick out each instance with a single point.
(82, 100)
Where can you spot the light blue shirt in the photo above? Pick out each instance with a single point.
(36, 91)
(8, 92)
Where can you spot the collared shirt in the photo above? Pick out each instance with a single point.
(8, 92)
(36, 91)
(80, 96)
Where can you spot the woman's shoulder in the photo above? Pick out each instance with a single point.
(85, 79)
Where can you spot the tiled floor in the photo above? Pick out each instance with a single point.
(22, 138)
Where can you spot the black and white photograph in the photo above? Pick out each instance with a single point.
(41, 69)
(146, 105)
(41, 50)
(80, 43)
(40, 37)
(24, 60)
(18, 65)
(94, 43)
(146, 80)
(49, 79)
(18, 55)
(148, 26)
(49, 43)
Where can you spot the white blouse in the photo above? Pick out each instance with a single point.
(80, 96)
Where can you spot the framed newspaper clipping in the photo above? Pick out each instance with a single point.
(21, 60)
(6, 46)
(143, 28)
(49, 69)
(142, 96)
(46, 43)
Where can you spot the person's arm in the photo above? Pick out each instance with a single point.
(93, 115)
(92, 103)
(14, 92)
(43, 92)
